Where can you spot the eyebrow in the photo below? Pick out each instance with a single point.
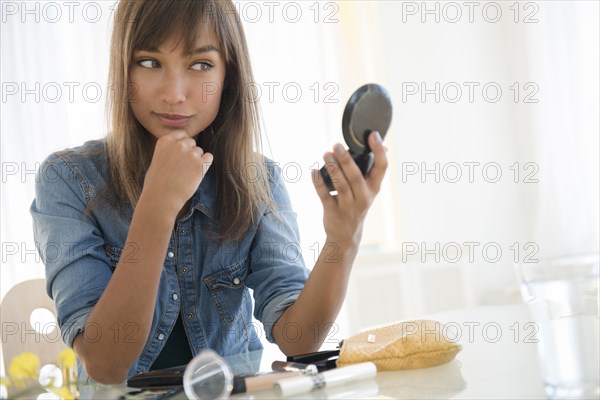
(206, 49)
(202, 49)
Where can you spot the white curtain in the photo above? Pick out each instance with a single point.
(565, 129)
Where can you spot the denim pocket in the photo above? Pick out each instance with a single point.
(228, 291)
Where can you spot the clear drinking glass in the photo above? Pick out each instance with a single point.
(562, 296)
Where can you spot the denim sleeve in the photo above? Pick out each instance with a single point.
(70, 244)
(278, 272)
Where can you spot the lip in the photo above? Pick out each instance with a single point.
(175, 120)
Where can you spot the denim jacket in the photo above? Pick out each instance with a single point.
(208, 281)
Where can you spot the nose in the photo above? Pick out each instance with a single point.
(174, 88)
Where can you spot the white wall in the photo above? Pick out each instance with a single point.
(541, 135)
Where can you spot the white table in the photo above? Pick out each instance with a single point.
(498, 361)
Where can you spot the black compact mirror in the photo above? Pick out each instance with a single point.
(369, 109)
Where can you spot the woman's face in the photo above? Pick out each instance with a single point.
(178, 91)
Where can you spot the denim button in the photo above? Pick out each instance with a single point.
(171, 254)
(236, 281)
(175, 297)
(183, 231)
(184, 270)
(190, 315)
(161, 336)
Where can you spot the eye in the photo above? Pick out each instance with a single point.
(201, 66)
(148, 63)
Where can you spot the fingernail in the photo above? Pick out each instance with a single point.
(378, 137)
(339, 149)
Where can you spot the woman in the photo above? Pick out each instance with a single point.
(165, 229)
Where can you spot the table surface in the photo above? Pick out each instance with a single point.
(498, 361)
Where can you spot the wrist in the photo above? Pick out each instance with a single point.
(342, 249)
(155, 205)
(349, 242)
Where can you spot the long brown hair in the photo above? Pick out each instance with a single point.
(234, 136)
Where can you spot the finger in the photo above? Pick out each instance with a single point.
(207, 159)
(177, 135)
(184, 145)
(188, 142)
(381, 163)
(322, 189)
(202, 161)
(332, 171)
(336, 175)
(356, 182)
(198, 152)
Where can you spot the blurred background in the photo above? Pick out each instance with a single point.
(493, 147)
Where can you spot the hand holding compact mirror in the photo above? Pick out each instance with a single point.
(369, 109)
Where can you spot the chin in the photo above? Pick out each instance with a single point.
(164, 131)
